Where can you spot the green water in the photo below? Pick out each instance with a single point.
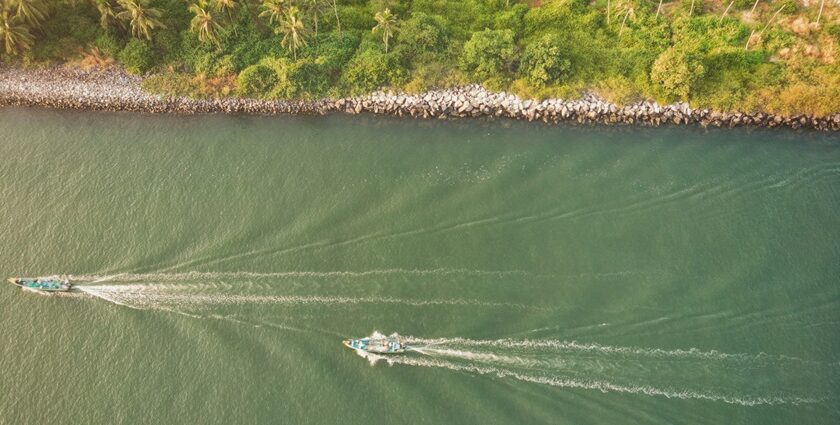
(547, 274)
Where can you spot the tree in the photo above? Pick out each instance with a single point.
(204, 24)
(274, 11)
(423, 33)
(107, 14)
(141, 19)
(488, 53)
(33, 12)
(226, 6)
(546, 61)
(15, 34)
(337, 20)
(314, 7)
(387, 23)
(293, 31)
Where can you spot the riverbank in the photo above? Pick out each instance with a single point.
(114, 90)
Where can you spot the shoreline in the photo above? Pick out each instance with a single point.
(113, 89)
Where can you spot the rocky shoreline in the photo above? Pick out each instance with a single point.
(114, 90)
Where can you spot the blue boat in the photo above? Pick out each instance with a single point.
(384, 345)
(42, 284)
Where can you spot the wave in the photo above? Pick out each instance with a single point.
(562, 345)
(192, 276)
(740, 379)
(593, 384)
(140, 296)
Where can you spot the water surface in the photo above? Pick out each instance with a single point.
(548, 274)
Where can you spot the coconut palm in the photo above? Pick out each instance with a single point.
(274, 11)
(15, 34)
(387, 23)
(293, 31)
(204, 24)
(226, 6)
(337, 21)
(141, 19)
(107, 14)
(314, 8)
(33, 12)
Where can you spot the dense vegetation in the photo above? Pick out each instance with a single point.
(775, 55)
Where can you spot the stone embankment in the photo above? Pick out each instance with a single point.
(114, 90)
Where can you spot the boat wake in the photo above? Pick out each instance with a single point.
(741, 379)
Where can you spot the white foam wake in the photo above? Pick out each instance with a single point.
(742, 379)
(192, 276)
(150, 296)
(594, 384)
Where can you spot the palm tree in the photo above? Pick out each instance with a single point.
(387, 23)
(293, 31)
(107, 14)
(15, 34)
(142, 19)
(337, 21)
(227, 6)
(274, 11)
(204, 24)
(34, 12)
(314, 7)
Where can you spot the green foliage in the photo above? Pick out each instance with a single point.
(372, 69)
(675, 72)
(108, 44)
(743, 4)
(170, 84)
(356, 17)
(334, 50)
(256, 81)
(545, 61)
(833, 30)
(423, 33)
(305, 78)
(512, 19)
(137, 56)
(167, 44)
(562, 16)
(567, 46)
(789, 7)
(488, 54)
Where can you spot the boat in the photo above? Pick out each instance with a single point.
(42, 284)
(377, 345)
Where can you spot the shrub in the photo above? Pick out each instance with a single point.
(334, 50)
(206, 63)
(698, 7)
(356, 17)
(544, 61)
(562, 16)
(744, 4)
(108, 45)
(789, 7)
(433, 74)
(167, 43)
(137, 56)
(488, 54)
(257, 81)
(170, 84)
(370, 70)
(834, 31)
(675, 72)
(305, 78)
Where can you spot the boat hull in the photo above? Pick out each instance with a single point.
(375, 345)
(42, 285)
